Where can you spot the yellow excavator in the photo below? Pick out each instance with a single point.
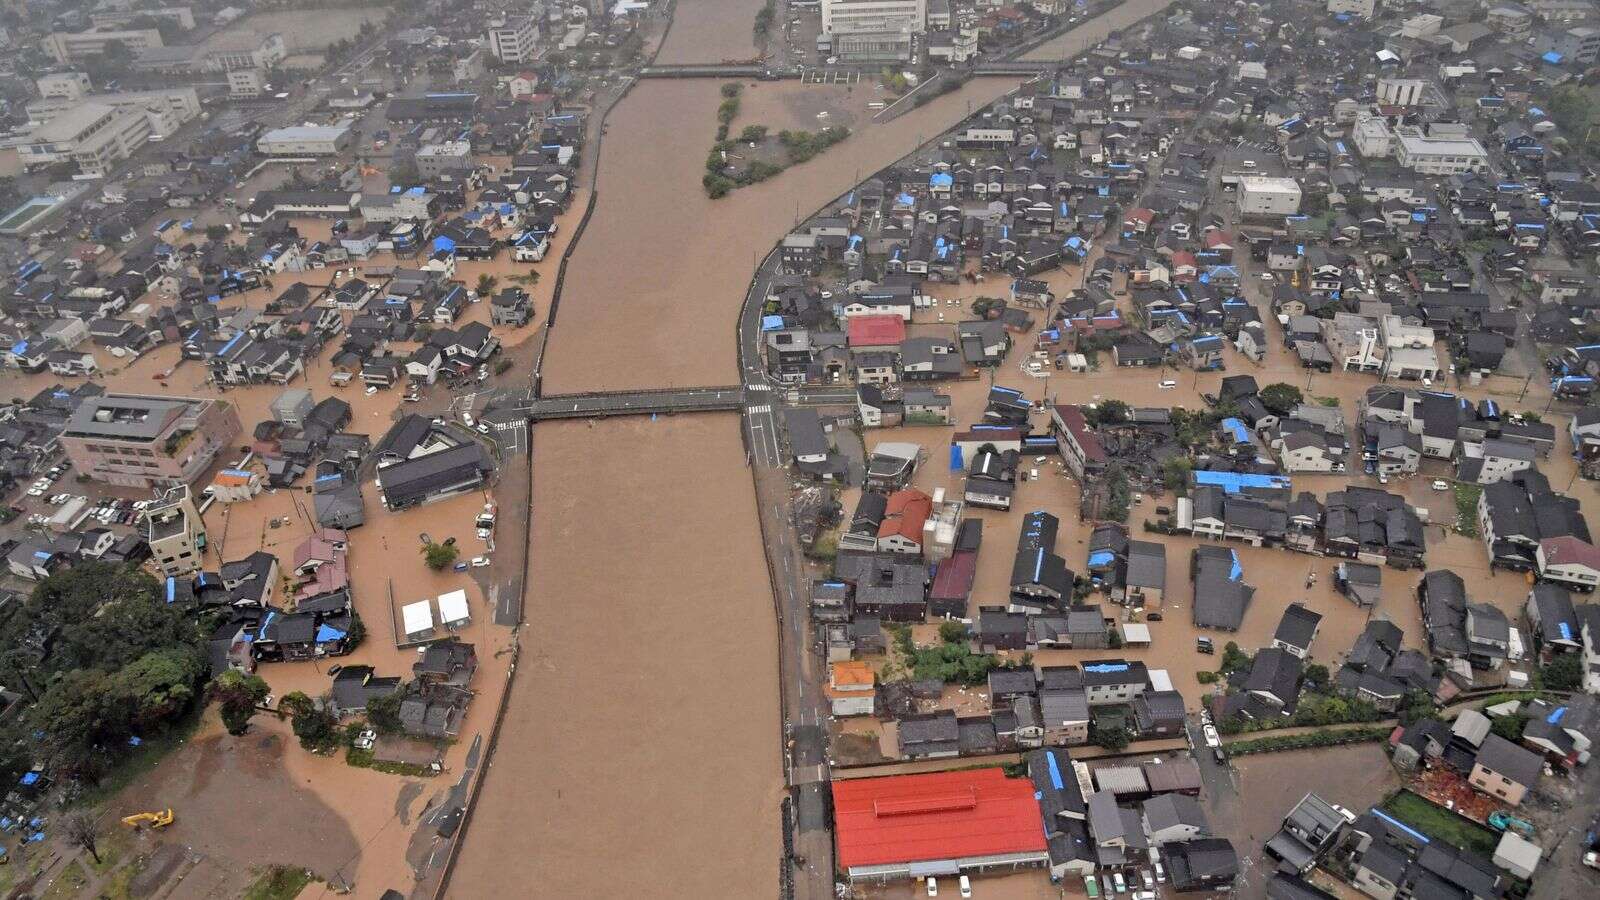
(154, 819)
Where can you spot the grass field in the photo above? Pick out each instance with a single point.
(1438, 822)
(1467, 508)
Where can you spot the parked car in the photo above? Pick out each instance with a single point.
(1439, 484)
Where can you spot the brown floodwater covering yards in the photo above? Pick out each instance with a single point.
(653, 289)
(640, 753)
(711, 31)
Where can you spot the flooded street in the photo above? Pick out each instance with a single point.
(644, 722)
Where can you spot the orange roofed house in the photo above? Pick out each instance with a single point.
(903, 517)
(943, 823)
(851, 689)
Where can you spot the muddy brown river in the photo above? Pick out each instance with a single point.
(640, 752)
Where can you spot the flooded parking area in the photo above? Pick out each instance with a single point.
(644, 721)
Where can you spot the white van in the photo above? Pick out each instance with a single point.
(1168, 385)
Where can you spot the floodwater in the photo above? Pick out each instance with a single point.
(644, 723)
(710, 31)
(1354, 777)
(1279, 575)
(1095, 30)
(655, 286)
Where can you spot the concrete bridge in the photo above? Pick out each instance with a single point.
(601, 404)
(707, 71)
(1014, 67)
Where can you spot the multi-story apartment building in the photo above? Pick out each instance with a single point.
(141, 441)
(514, 40)
(175, 532)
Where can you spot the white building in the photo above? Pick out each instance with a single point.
(305, 140)
(1372, 138)
(1363, 8)
(873, 29)
(857, 16)
(69, 86)
(1440, 156)
(92, 135)
(167, 108)
(249, 50)
(66, 48)
(1402, 91)
(514, 40)
(1261, 195)
(247, 83)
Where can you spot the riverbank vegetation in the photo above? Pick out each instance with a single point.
(755, 154)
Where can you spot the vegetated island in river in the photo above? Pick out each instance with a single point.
(756, 155)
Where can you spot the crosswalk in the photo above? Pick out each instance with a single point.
(758, 387)
(757, 410)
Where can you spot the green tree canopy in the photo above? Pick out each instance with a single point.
(1281, 398)
(238, 695)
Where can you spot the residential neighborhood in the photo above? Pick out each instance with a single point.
(1111, 449)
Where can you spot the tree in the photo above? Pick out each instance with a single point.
(1233, 659)
(1109, 412)
(238, 696)
(983, 306)
(81, 831)
(1509, 727)
(1416, 706)
(732, 89)
(753, 134)
(952, 632)
(383, 712)
(315, 726)
(440, 556)
(1316, 677)
(1281, 398)
(1563, 673)
(1112, 737)
(1175, 473)
(216, 232)
(160, 686)
(82, 723)
(486, 284)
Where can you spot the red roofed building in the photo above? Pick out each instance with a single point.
(943, 823)
(1138, 220)
(952, 585)
(1079, 445)
(1570, 562)
(903, 517)
(876, 332)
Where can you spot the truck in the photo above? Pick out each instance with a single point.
(485, 522)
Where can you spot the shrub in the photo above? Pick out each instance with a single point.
(439, 556)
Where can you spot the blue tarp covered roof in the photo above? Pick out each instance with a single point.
(1233, 482)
